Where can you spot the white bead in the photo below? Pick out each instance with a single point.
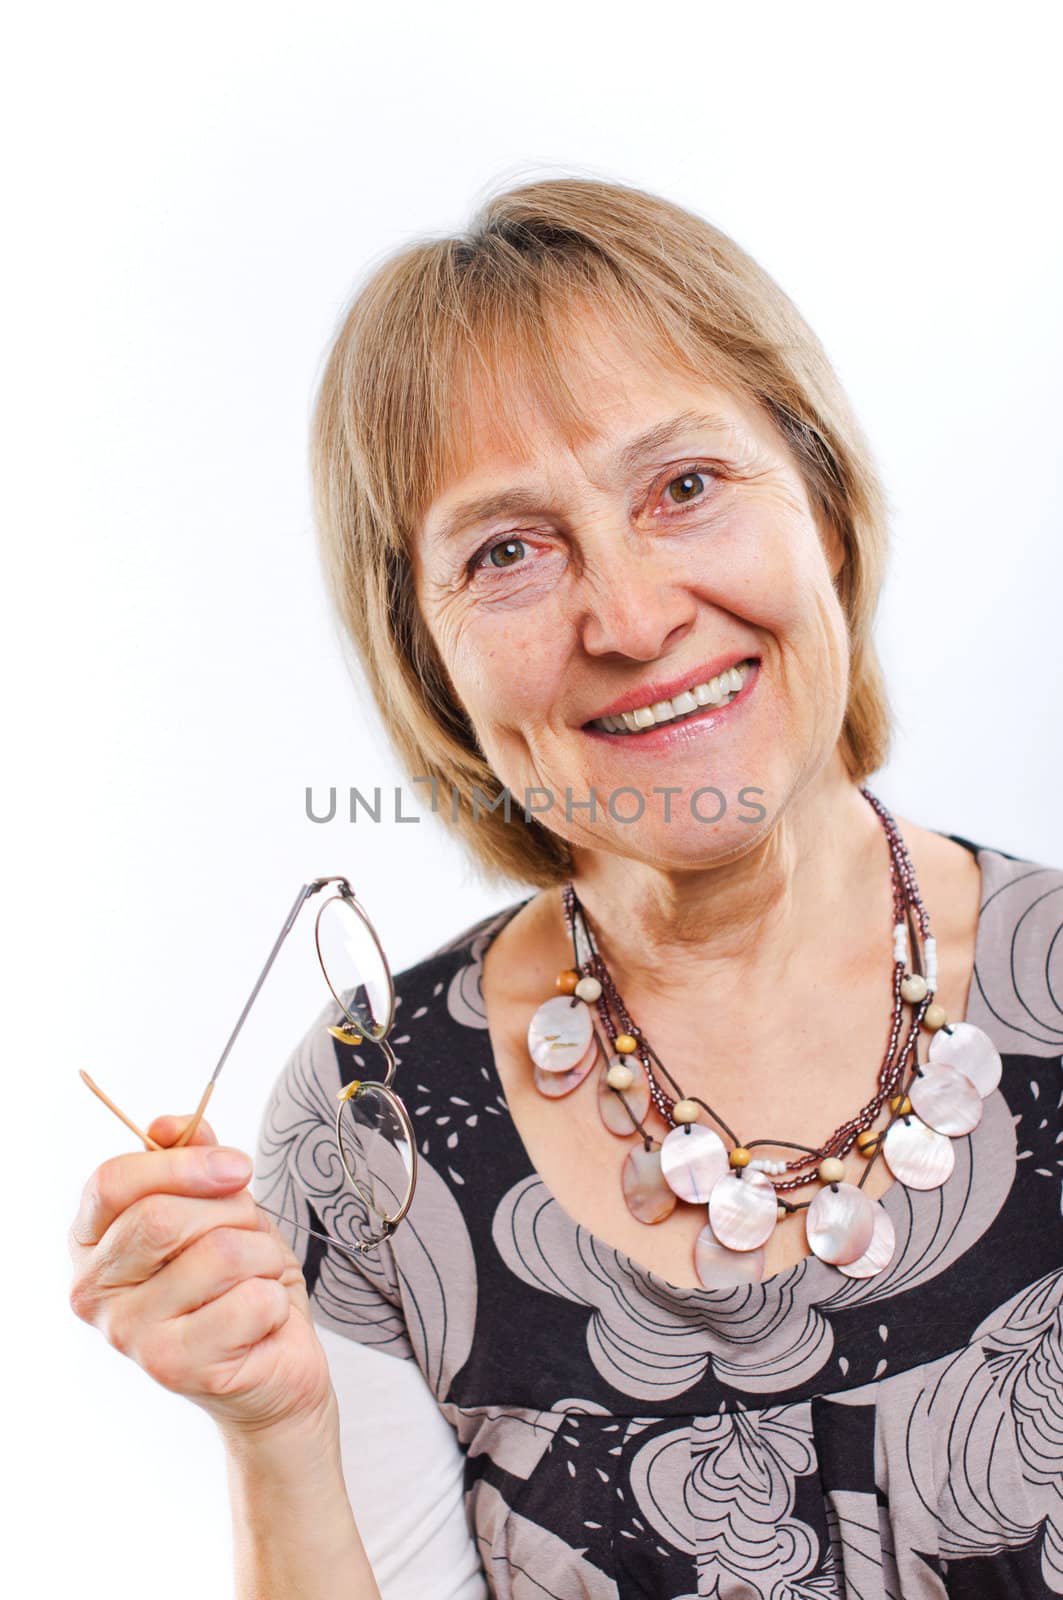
(931, 964)
(588, 988)
(913, 988)
(619, 1076)
(686, 1111)
(755, 1165)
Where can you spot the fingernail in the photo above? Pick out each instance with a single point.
(228, 1165)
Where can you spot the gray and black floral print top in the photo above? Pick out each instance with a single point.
(808, 1436)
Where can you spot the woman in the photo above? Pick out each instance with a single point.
(709, 1306)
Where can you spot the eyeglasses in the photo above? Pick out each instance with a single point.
(374, 1135)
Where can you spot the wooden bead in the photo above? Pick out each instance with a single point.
(740, 1156)
(913, 988)
(626, 1043)
(685, 1110)
(567, 981)
(832, 1170)
(781, 1214)
(867, 1142)
(935, 1016)
(619, 1076)
(903, 1108)
(588, 988)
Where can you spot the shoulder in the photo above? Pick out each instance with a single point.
(433, 995)
(1019, 890)
(447, 981)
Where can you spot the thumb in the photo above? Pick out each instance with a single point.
(165, 1130)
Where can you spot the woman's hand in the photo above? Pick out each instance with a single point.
(181, 1271)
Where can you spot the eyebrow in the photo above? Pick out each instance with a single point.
(525, 501)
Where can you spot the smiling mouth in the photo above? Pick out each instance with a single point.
(715, 693)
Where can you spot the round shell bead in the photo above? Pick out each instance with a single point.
(647, 1195)
(832, 1171)
(556, 1084)
(913, 988)
(946, 1099)
(720, 1268)
(693, 1160)
(559, 1034)
(839, 1223)
(935, 1016)
(588, 988)
(686, 1111)
(879, 1252)
(743, 1211)
(919, 1156)
(971, 1052)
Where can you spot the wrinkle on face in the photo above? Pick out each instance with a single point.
(616, 599)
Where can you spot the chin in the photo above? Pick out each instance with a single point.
(682, 842)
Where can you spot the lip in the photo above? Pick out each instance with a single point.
(673, 735)
(647, 693)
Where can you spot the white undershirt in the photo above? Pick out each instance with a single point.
(403, 1468)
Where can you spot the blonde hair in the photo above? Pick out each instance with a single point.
(483, 308)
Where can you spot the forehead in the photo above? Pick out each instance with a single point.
(602, 390)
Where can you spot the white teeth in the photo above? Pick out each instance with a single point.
(717, 691)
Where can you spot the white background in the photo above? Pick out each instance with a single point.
(191, 194)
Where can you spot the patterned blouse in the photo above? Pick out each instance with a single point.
(811, 1435)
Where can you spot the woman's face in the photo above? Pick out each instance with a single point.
(633, 570)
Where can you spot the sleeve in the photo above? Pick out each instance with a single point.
(300, 1180)
(402, 1462)
(404, 1472)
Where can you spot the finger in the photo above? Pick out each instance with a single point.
(118, 1183)
(211, 1266)
(229, 1326)
(166, 1130)
(155, 1230)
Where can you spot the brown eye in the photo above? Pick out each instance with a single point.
(686, 488)
(507, 553)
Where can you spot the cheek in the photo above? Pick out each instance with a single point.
(507, 669)
(776, 576)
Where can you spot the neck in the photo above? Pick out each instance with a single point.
(802, 891)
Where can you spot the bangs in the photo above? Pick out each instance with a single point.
(493, 338)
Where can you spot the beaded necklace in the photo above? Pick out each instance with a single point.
(931, 1103)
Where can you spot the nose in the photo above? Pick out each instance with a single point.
(630, 607)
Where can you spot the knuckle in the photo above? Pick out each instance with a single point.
(83, 1297)
(260, 1296)
(105, 1189)
(117, 1329)
(224, 1249)
(156, 1226)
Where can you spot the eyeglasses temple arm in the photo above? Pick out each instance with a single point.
(187, 1133)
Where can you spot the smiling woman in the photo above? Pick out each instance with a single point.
(734, 1263)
